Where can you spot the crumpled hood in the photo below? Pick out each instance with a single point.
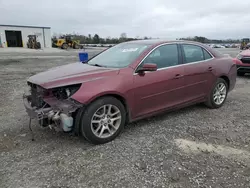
(69, 74)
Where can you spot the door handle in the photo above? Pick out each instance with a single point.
(210, 69)
(177, 76)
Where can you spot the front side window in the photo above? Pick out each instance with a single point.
(119, 56)
(163, 56)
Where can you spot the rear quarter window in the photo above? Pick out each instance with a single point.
(206, 55)
(214, 52)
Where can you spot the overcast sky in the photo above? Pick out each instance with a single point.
(156, 18)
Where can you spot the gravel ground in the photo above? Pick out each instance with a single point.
(192, 147)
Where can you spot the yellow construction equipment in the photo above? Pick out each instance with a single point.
(66, 42)
(244, 43)
(33, 42)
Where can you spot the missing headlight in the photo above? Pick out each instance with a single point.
(66, 91)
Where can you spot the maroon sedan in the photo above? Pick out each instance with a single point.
(128, 82)
(243, 62)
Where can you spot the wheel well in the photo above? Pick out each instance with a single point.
(226, 79)
(78, 111)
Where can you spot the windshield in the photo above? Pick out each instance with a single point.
(119, 56)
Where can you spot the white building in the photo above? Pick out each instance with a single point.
(17, 36)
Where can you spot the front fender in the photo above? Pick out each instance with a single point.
(88, 100)
(117, 85)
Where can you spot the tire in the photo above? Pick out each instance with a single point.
(76, 46)
(38, 45)
(87, 126)
(65, 46)
(77, 121)
(240, 73)
(211, 102)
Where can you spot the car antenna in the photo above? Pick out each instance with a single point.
(32, 134)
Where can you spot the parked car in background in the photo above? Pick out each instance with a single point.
(216, 46)
(128, 82)
(220, 46)
(234, 45)
(242, 61)
(213, 46)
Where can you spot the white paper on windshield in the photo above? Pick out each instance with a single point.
(130, 50)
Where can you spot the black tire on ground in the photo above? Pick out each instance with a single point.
(65, 46)
(38, 45)
(77, 121)
(85, 124)
(210, 102)
(240, 73)
(76, 46)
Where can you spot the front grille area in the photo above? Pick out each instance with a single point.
(36, 96)
(245, 60)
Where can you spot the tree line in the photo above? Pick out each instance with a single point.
(211, 41)
(96, 39)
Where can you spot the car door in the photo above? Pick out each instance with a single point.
(160, 89)
(198, 71)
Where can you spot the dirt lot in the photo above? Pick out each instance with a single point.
(193, 147)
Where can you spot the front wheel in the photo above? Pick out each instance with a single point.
(103, 120)
(218, 94)
(65, 46)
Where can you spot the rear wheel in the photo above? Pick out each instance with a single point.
(38, 45)
(218, 94)
(76, 46)
(103, 120)
(240, 73)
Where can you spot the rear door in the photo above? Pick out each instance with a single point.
(198, 71)
(154, 91)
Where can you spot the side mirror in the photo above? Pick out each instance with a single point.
(147, 67)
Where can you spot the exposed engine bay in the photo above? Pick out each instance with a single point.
(52, 107)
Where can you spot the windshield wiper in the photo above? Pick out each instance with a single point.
(97, 65)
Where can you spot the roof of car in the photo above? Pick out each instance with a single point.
(158, 41)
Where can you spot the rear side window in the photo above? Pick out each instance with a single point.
(206, 55)
(192, 53)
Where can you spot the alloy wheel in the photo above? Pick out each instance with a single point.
(220, 93)
(106, 121)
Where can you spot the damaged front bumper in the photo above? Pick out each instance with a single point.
(54, 113)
